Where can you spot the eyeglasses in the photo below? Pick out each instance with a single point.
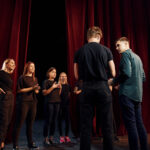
(63, 76)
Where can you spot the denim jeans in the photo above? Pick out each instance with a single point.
(132, 117)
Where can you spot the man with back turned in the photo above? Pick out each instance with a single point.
(92, 62)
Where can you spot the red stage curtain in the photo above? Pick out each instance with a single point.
(116, 18)
(77, 15)
(14, 27)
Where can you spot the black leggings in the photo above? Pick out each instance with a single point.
(64, 115)
(51, 116)
(6, 110)
(25, 111)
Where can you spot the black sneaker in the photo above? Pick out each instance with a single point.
(15, 148)
(46, 143)
(52, 142)
(33, 146)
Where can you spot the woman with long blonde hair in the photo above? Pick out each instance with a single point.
(27, 88)
(6, 98)
(64, 113)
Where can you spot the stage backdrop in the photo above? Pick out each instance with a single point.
(116, 18)
(14, 27)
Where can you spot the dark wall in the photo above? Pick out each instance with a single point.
(47, 40)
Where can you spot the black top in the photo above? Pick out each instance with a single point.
(92, 61)
(26, 82)
(66, 89)
(6, 82)
(53, 96)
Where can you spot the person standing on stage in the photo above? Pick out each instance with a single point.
(64, 112)
(91, 64)
(6, 98)
(27, 88)
(51, 90)
(131, 77)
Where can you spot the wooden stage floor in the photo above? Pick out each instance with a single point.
(122, 144)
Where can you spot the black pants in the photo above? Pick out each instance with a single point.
(96, 94)
(6, 110)
(98, 123)
(51, 117)
(132, 117)
(25, 111)
(64, 115)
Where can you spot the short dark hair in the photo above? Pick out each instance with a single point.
(123, 39)
(94, 31)
(49, 70)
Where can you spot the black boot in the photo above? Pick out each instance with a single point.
(33, 146)
(15, 148)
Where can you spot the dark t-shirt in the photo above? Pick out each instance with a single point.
(26, 82)
(5, 81)
(92, 61)
(66, 89)
(53, 96)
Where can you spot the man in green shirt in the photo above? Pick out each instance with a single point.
(130, 81)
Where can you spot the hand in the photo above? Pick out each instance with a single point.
(36, 87)
(110, 81)
(55, 85)
(75, 89)
(59, 85)
(2, 91)
(117, 87)
(111, 88)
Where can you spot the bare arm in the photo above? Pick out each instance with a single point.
(2, 91)
(47, 91)
(112, 68)
(76, 71)
(25, 90)
(77, 91)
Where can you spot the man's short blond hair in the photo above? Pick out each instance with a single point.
(125, 39)
(94, 32)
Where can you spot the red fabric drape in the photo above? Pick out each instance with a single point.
(14, 29)
(75, 32)
(116, 18)
(76, 13)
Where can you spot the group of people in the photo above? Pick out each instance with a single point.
(94, 69)
(56, 104)
(94, 66)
